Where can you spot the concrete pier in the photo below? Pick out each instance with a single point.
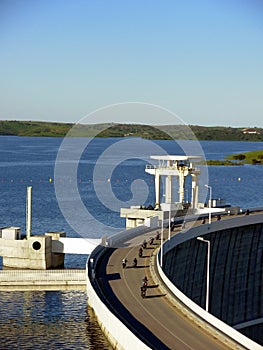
(52, 280)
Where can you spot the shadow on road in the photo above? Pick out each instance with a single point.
(113, 276)
(154, 296)
(153, 286)
(137, 267)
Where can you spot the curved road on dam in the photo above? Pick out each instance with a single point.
(155, 319)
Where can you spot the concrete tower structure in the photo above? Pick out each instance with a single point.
(169, 167)
(174, 166)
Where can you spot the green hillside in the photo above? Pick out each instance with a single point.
(161, 132)
(31, 128)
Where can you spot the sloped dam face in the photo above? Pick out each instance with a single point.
(236, 275)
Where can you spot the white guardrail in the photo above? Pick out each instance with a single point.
(118, 238)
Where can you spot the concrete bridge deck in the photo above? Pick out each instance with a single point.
(155, 319)
(53, 280)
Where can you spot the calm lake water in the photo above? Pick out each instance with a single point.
(48, 320)
(62, 320)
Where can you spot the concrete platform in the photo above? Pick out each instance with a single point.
(53, 280)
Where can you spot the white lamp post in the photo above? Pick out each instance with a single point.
(161, 263)
(207, 271)
(210, 201)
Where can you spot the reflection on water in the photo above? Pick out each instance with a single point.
(48, 320)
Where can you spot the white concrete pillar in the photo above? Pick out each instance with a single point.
(168, 189)
(181, 186)
(195, 192)
(28, 211)
(157, 189)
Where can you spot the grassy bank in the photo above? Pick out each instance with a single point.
(254, 157)
(222, 163)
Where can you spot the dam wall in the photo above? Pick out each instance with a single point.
(236, 270)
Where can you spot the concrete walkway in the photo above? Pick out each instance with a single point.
(21, 280)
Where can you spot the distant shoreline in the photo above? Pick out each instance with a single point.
(161, 132)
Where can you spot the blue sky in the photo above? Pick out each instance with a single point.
(203, 60)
